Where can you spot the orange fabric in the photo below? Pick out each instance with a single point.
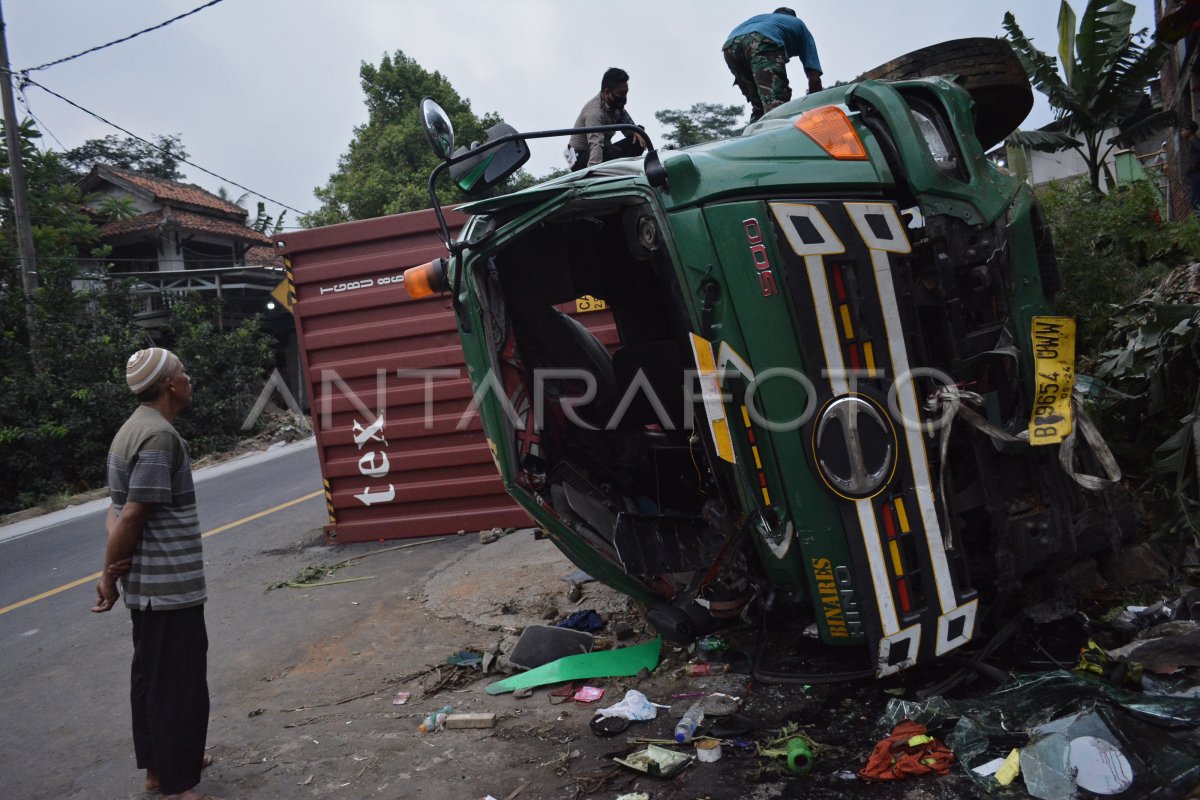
(894, 759)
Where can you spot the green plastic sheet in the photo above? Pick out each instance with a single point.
(601, 664)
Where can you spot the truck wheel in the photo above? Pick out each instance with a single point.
(987, 68)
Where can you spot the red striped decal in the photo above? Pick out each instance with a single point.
(839, 288)
(889, 524)
(855, 363)
(905, 603)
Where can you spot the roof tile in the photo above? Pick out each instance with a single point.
(166, 190)
(196, 223)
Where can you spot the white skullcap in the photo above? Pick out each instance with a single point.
(145, 367)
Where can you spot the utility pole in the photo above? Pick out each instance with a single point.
(16, 170)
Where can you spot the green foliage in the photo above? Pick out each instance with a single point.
(1105, 69)
(1150, 409)
(1110, 248)
(161, 158)
(116, 207)
(228, 370)
(703, 122)
(266, 224)
(386, 168)
(62, 401)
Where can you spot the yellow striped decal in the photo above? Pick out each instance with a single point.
(901, 515)
(710, 390)
(869, 357)
(897, 567)
(846, 324)
(291, 283)
(329, 503)
(762, 476)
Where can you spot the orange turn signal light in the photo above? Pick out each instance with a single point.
(425, 280)
(833, 131)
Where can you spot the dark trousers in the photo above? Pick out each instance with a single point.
(1194, 189)
(169, 694)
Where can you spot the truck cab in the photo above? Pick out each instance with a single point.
(808, 378)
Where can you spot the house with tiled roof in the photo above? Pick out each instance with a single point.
(182, 240)
(179, 226)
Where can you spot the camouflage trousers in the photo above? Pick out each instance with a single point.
(759, 69)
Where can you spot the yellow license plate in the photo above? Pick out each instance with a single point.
(1054, 379)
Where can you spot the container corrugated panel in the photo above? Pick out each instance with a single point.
(421, 467)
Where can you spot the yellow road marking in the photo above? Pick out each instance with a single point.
(96, 575)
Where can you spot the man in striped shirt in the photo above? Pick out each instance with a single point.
(154, 549)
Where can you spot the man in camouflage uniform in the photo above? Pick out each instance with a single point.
(757, 52)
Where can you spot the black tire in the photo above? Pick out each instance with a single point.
(987, 68)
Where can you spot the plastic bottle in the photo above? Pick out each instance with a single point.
(686, 728)
(436, 721)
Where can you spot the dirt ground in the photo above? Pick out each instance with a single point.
(325, 725)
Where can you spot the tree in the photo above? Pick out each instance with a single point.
(703, 122)
(386, 168)
(160, 158)
(1105, 70)
(58, 415)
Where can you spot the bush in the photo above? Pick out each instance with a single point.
(228, 370)
(1110, 249)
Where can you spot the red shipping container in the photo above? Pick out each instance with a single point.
(387, 385)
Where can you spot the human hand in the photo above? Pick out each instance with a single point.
(119, 568)
(107, 594)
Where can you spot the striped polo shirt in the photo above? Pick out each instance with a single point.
(148, 463)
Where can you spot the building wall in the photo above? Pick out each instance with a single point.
(1179, 89)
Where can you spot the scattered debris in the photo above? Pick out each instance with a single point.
(909, 751)
(658, 762)
(476, 720)
(634, 706)
(465, 658)
(578, 576)
(708, 750)
(587, 620)
(588, 694)
(1043, 715)
(542, 644)
(605, 664)
(436, 721)
(494, 535)
(401, 698)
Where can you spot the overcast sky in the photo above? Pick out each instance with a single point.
(266, 92)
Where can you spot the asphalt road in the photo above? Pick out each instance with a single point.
(62, 666)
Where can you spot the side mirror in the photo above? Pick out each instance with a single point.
(438, 129)
(493, 165)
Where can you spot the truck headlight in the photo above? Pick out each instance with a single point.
(939, 148)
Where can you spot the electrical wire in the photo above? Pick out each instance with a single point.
(127, 132)
(49, 64)
(23, 98)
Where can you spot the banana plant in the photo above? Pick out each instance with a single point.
(1096, 85)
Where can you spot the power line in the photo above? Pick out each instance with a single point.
(49, 64)
(24, 100)
(32, 82)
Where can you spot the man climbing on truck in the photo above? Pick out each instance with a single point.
(757, 52)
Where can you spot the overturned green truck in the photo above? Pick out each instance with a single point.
(839, 403)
